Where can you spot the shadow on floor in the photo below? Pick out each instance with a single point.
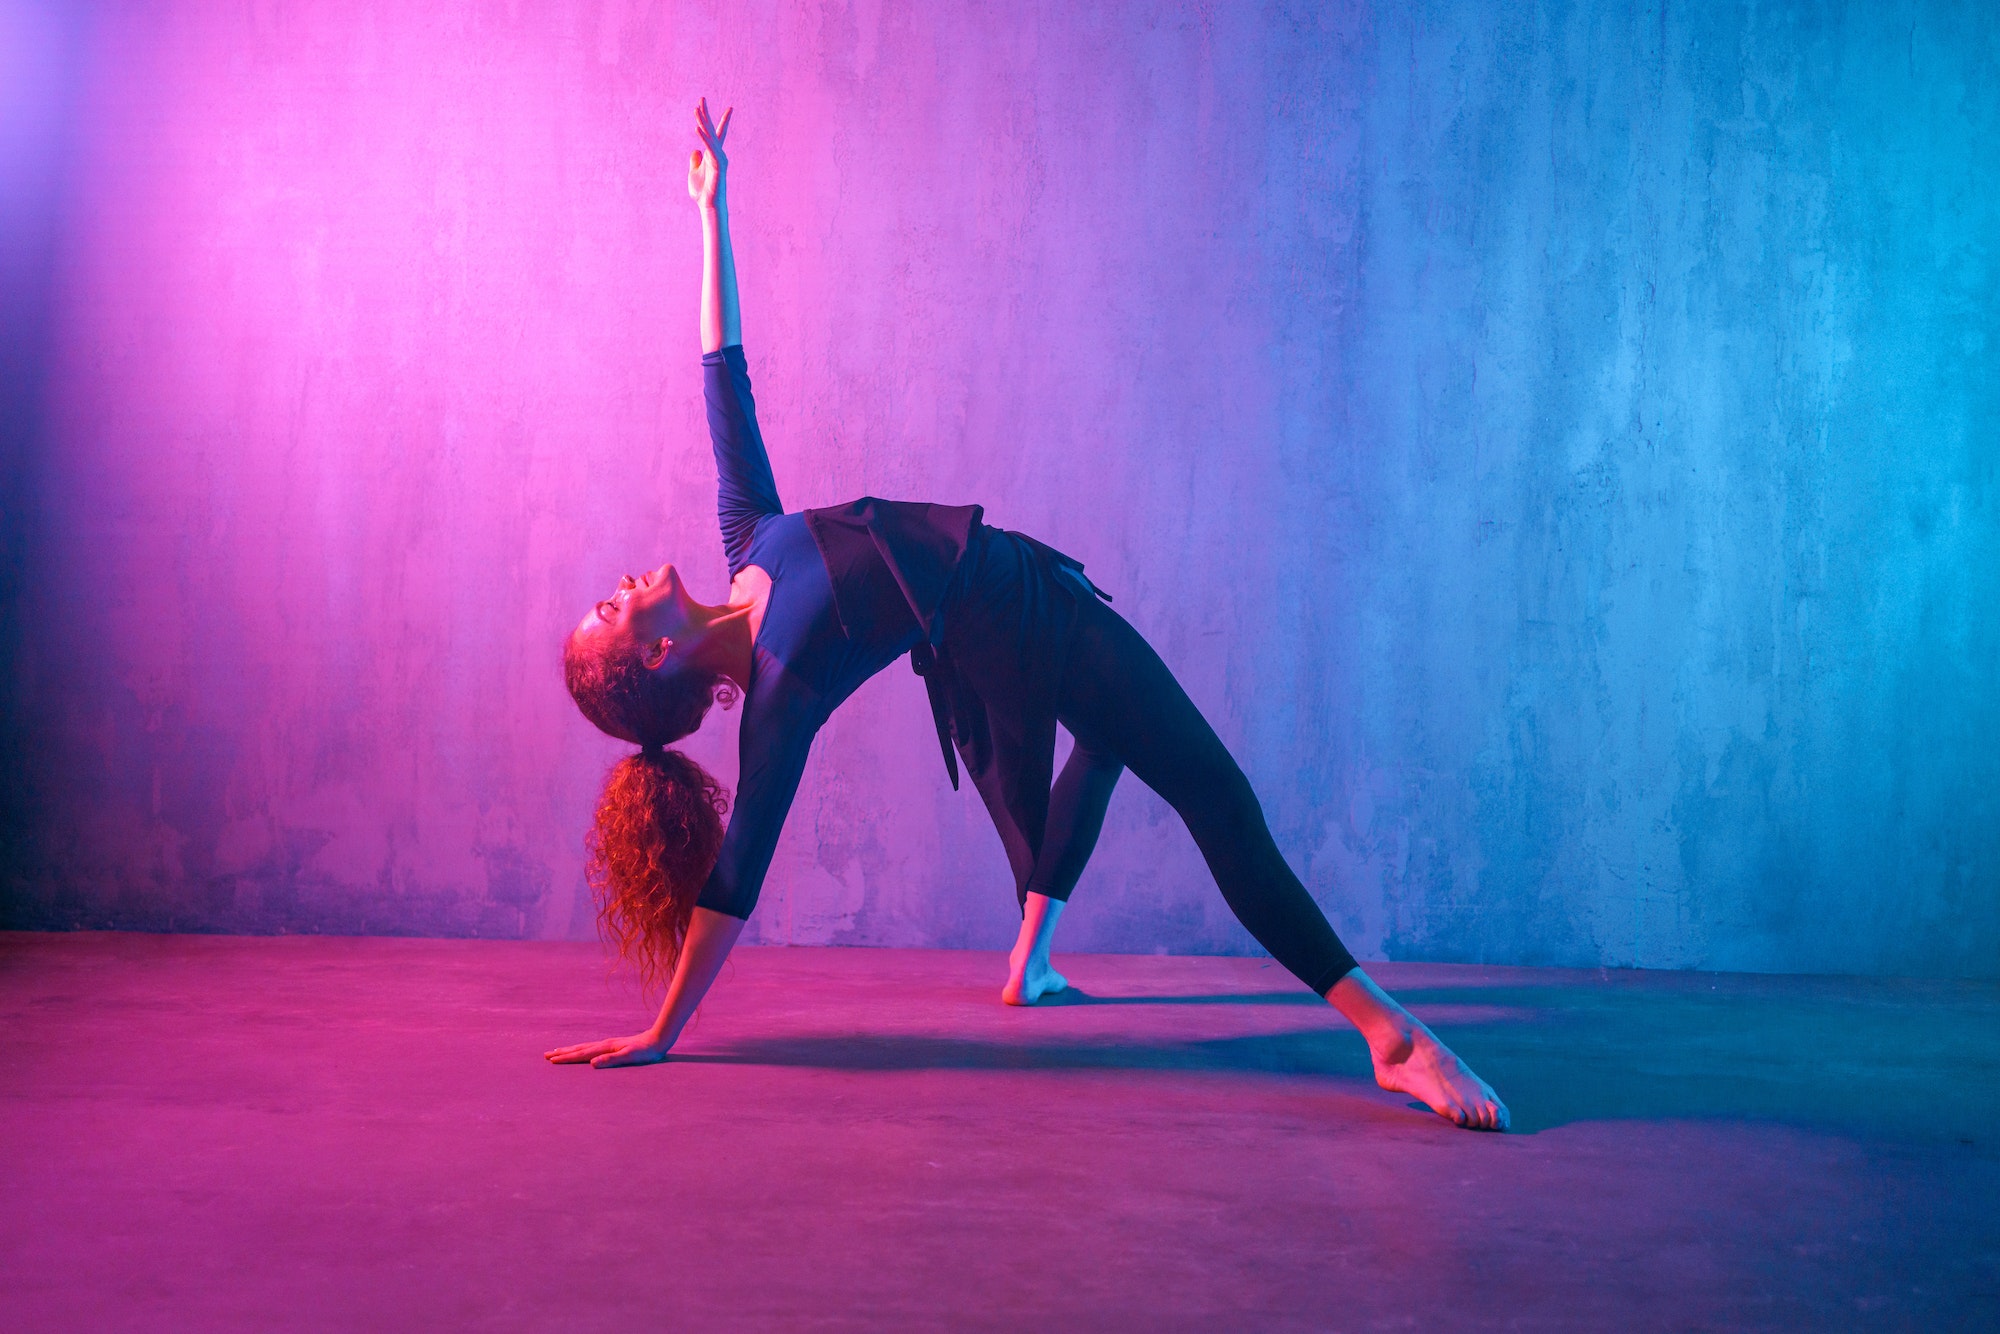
(1842, 1054)
(1331, 1053)
(1835, 1059)
(1076, 996)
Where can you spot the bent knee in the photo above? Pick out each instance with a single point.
(1093, 753)
(1098, 760)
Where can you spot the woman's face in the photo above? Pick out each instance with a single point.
(648, 608)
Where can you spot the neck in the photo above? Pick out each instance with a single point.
(727, 635)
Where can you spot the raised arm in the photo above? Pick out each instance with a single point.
(746, 492)
(708, 185)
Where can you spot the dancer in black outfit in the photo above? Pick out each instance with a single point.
(1011, 638)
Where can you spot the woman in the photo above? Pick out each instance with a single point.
(1010, 637)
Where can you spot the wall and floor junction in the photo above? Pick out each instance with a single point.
(1555, 443)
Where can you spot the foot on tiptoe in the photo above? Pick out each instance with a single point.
(1029, 979)
(1418, 1064)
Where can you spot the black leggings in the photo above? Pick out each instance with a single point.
(1126, 710)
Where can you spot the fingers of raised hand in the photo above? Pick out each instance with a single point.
(705, 126)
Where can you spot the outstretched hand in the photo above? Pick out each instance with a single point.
(707, 165)
(639, 1049)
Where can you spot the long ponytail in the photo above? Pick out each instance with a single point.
(658, 826)
(654, 840)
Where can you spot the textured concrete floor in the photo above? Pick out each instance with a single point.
(215, 1132)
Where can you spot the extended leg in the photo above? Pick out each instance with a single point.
(1123, 699)
(1120, 699)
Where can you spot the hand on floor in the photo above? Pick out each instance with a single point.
(639, 1049)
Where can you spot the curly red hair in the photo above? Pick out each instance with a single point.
(649, 851)
(659, 821)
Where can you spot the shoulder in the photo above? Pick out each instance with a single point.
(776, 695)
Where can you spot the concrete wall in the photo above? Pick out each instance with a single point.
(1556, 444)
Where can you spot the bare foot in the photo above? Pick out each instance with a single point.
(1029, 979)
(1409, 1058)
(1425, 1068)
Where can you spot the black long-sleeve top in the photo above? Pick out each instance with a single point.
(804, 662)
